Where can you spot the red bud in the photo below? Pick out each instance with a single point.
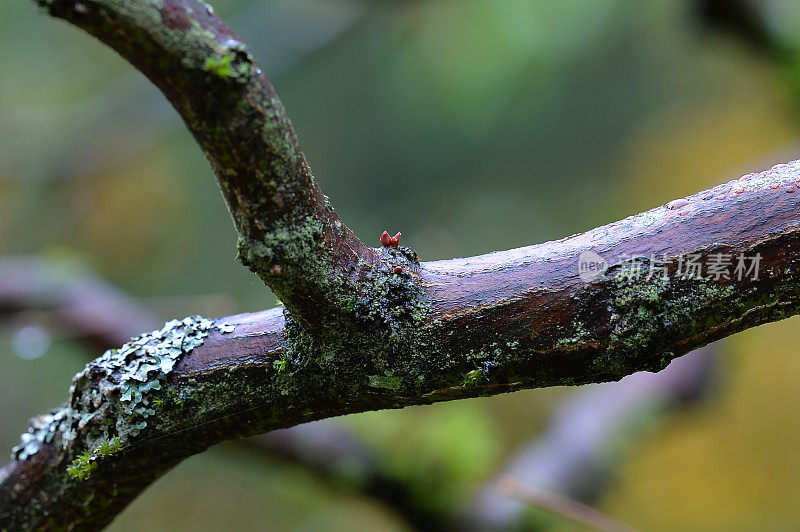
(386, 240)
(398, 269)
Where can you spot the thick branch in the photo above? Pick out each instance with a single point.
(574, 457)
(81, 304)
(368, 331)
(499, 322)
(289, 234)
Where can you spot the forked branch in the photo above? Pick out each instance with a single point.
(369, 329)
(289, 234)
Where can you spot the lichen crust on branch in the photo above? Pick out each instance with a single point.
(366, 328)
(437, 331)
(116, 396)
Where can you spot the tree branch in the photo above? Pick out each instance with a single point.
(368, 330)
(574, 457)
(523, 317)
(81, 304)
(289, 234)
(335, 454)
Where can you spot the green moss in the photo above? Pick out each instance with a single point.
(473, 378)
(220, 66)
(82, 467)
(108, 447)
(226, 65)
(281, 365)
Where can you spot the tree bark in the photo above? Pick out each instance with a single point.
(289, 234)
(364, 328)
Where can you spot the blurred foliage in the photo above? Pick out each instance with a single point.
(732, 464)
(429, 448)
(469, 126)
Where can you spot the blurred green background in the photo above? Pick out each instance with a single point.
(467, 125)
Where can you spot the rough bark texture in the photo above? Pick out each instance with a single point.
(367, 329)
(575, 456)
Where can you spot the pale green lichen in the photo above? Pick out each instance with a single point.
(647, 313)
(389, 382)
(382, 323)
(580, 337)
(291, 243)
(112, 399)
(43, 429)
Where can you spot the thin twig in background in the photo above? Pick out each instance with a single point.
(563, 506)
(579, 451)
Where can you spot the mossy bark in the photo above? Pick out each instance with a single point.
(367, 329)
(290, 235)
